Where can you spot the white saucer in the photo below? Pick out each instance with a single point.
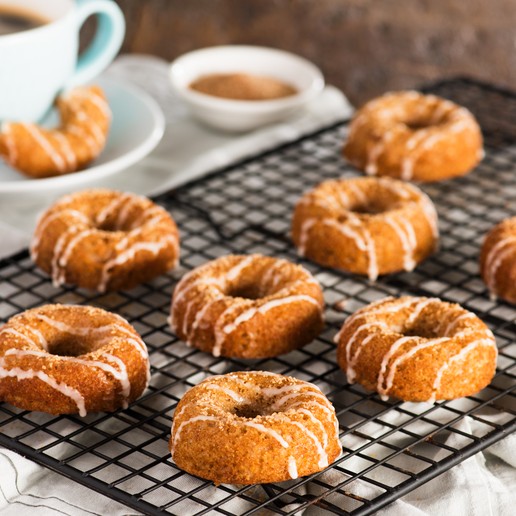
(137, 127)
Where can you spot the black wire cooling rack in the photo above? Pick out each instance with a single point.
(390, 448)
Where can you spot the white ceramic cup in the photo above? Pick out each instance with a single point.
(36, 64)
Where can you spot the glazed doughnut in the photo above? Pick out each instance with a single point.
(254, 427)
(417, 349)
(247, 306)
(408, 135)
(105, 240)
(498, 260)
(367, 226)
(38, 152)
(64, 359)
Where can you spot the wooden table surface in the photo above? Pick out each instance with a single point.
(365, 47)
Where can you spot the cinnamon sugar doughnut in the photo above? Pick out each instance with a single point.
(254, 427)
(408, 135)
(417, 349)
(105, 240)
(368, 226)
(498, 260)
(38, 152)
(64, 359)
(247, 306)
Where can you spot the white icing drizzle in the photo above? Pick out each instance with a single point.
(348, 232)
(495, 258)
(251, 312)
(421, 305)
(405, 356)
(43, 141)
(407, 164)
(342, 198)
(385, 361)
(130, 202)
(63, 388)
(329, 412)
(292, 392)
(382, 310)
(234, 272)
(92, 126)
(66, 150)
(46, 221)
(41, 339)
(430, 214)
(323, 456)
(81, 133)
(269, 431)
(58, 249)
(124, 242)
(18, 334)
(182, 289)
(371, 167)
(132, 338)
(350, 366)
(270, 273)
(231, 393)
(189, 422)
(119, 374)
(350, 372)
(152, 247)
(317, 423)
(93, 98)
(396, 188)
(455, 358)
(451, 326)
(220, 336)
(372, 267)
(62, 262)
(304, 234)
(110, 208)
(292, 468)
(12, 153)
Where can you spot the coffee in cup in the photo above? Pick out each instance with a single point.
(39, 44)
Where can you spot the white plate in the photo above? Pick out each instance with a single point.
(136, 128)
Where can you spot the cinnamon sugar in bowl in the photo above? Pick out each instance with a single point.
(239, 88)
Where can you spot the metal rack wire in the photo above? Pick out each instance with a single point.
(390, 448)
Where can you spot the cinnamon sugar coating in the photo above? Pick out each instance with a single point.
(369, 226)
(411, 136)
(417, 349)
(105, 240)
(247, 306)
(254, 427)
(498, 260)
(64, 359)
(85, 118)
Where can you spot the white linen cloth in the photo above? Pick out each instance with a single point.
(482, 485)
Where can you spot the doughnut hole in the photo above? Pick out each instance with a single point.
(66, 345)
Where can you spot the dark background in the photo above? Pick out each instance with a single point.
(364, 47)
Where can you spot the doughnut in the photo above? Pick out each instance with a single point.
(411, 136)
(247, 306)
(498, 260)
(253, 428)
(64, 359)
(417, 349)
(105, 240)
(367, 225)
(37, 152)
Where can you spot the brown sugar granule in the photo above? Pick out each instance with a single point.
(241, 86)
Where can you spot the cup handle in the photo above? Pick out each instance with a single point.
(106, 42)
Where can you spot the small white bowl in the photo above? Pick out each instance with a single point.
(244, 115)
